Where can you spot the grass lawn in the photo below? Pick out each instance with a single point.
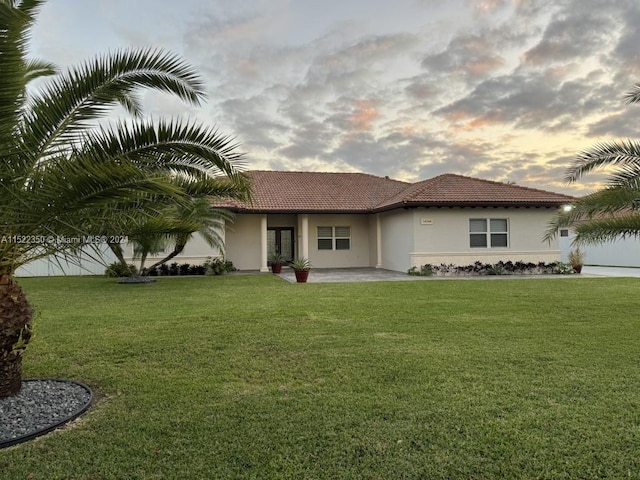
(249, 377)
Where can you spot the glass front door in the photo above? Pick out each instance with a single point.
(280, 240)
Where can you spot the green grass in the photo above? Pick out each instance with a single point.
(249, 377)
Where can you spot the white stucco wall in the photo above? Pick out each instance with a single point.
(442, 236)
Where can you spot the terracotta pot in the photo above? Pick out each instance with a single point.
(302, 275)
(276, 267)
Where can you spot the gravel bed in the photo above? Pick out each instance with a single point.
(40, 406)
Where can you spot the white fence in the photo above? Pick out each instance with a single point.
(86, 264)
(620, 253)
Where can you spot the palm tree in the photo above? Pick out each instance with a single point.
(65, 170)
(612, 212)
(185, 220)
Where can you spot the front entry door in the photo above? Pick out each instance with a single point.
(280, 240)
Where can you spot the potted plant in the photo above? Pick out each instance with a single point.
(301, 267)
(277, 260)
(576, 260)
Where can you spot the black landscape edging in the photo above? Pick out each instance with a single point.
(59, 423)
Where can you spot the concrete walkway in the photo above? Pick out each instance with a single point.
(342, 275)
(594, 271)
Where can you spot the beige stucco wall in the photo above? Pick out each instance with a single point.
(442, 236)
(410, 237)
(397, 239)
(373, 240)
(357, 256)
(242, 242)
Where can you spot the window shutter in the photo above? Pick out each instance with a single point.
(478, 225)
(343, 232)
(325, 232)
(498, 225)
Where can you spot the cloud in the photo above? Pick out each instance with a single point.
(571, 37)
(364, 113)
(503, 89)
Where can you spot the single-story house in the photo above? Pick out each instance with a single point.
(361, 220)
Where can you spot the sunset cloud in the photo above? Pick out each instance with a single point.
(504, 89)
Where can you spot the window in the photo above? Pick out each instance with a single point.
(564, 232)
(334, 238)
(488, 232)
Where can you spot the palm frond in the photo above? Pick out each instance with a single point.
(75, 100)
(171, 145)
(198, 184)
(626, 152)
(39, 68)
(14, 25)
(633, 96)
(61, 173)
(604, 203)
(602, 230)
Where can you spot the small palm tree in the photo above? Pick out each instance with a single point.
(65, 171)
(612, 212)
(180, 222)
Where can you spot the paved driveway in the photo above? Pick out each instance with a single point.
(333, 275)
(610, 271)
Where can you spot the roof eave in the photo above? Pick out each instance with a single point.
(524, 204)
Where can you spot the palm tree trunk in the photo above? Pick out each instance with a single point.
(143, 259)
(176, 251)
(10, 375)
(116, 248)
(15, 333)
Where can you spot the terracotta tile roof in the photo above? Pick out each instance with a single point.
(276, 191)
(450, 189)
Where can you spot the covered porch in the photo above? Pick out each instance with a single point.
(328, 240)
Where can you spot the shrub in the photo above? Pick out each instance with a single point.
(499, 268)
(197, 270)
(116, 270)
(173, 269)
(218, 266)
(564, 269)
(425, 271)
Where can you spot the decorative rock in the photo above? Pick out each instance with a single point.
(41, 406)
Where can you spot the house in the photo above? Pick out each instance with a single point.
(361, 220)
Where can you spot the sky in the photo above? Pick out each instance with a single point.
(505, 90)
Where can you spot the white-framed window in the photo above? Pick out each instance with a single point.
(334, 238)
(488, 232)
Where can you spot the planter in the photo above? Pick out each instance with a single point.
(577, 268)
(276, 267)
(301, 276)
